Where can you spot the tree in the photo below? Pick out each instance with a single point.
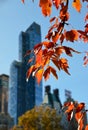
(53, 48)
(40, 118)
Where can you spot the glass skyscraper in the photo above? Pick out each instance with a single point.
(24, 95)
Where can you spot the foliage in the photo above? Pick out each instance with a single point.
(40, 118)
(53, 48)
(78, 110)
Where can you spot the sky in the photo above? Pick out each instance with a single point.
(16, 17)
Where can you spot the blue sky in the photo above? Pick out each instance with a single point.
(16, 17)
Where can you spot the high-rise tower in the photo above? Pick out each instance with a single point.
(27, 94)
(4, 85)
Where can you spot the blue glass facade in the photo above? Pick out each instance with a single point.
(24, 95)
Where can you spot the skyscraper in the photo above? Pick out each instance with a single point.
(24, 95)
(4, 85)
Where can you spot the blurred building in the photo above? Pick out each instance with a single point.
(52, 99)
(6, 122)
(4, 85)
(24, 95)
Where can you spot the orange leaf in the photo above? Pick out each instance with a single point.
(30, 70)
(48, 44)
(46, 10)
(71, 35)
(39, 58)
(46, 7)
(77, 5)
(47, 73)
(39, 45)
(52, 19)
(78, 116)
(64, 65)
(55, 37)
(70, 108)
(80, 107)
(30, 60)
(86, 128)
(43, 2)
(57, 3)
(39, 75)
(59, 50)
(54, 72)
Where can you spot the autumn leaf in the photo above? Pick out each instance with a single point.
(85, 62)
(54, 72)
(56, 63)
(55, 37)
(46, 73)
(56, 3)
(39, 45)
(71, 35)
(27, 53)
(48, 44)
(22, 1)
(59, 50)
(86, 128)
(86, 18)
(30, 70)
(39, 75)
(39, 58)
(70, 108)
(68, 50)
(46, 10)
(46, 7)
(30, 60)
(52, 19)
(43, 2)
(80, 107)
(78, 116)
(64, 65)
(77, 5)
